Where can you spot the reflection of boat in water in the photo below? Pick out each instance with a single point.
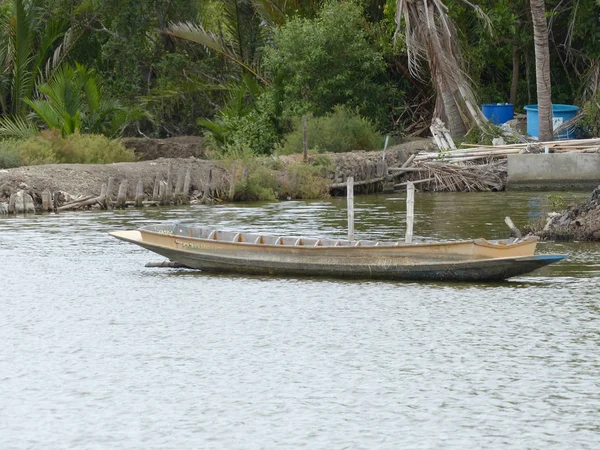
(212, 250)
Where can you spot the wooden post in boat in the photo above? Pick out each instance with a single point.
(410, 212)
(122, 195)
(232, 182)
(139, 194)
(305, 138)
(350, 196)
(187, 181)
(515, 231)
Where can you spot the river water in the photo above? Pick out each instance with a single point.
(98, 351)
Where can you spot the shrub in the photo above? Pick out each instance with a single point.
(9, 157)
(304, 181)
(340, 131)
(261, 184)
(50, 147)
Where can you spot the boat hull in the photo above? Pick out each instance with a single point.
(453, 263)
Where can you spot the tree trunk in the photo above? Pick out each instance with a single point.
(542, 69)
(516, 60)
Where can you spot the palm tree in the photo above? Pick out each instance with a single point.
(430, 35)
(542, 69)
(239, 38)
(71, 101)
(32, 47)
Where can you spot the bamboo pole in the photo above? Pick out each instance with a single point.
(410, 212)
(350, 200)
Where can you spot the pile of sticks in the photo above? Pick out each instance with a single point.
(478, 152)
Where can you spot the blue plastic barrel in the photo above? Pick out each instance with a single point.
(560, 114)
(498, 113)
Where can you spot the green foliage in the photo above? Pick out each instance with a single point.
(317, 64)
(340, 131)
(182, 94)
(304, 181)
(50, 147)
(590, 123)
(261, 184)
(556, 202)
(9, 156)
(244, 123)
(71, 101)
(32, 45)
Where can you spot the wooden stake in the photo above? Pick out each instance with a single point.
(162, 188)
(46, 201)
(350, 198)
(206, 194)
(109, 191)
(103, 190)
(156, 191)
(139, 194)
(12, 204)
(122, 195)
(186, 185)
(410, 212)
(169, 187)
(179, 184)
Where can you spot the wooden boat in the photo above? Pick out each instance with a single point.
(246, 253)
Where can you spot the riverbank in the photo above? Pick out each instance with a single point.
(578, 222)
(208, 179)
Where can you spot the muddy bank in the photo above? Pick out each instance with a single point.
(75, 181)
(147, 149)
(580, 222)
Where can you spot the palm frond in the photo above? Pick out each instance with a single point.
(21, 47)
(196, 33)
(17, 127)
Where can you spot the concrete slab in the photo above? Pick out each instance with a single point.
(553, 171)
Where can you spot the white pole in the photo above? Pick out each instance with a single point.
(350, 191)
(410, 212)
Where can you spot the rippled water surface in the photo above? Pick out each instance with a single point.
(98, 351)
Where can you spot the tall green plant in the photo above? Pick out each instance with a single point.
(32, 46)
(72, 101)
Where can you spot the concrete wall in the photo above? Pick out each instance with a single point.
(554, 171)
